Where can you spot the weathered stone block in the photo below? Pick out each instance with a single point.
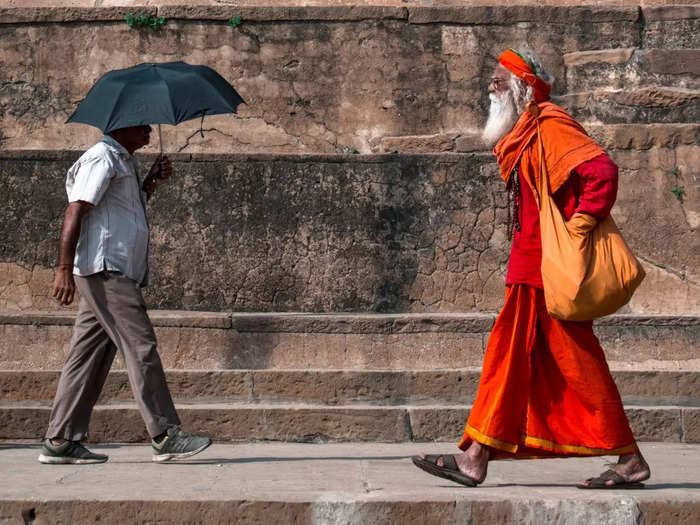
(419, 144)
(671, 26)
(640, 342)
(299, 424)
(644, 136)
(691, 425)
(672, 61)
(644, 105)
(437, 424)
(625, 69)
(656, 424)
(658, 387)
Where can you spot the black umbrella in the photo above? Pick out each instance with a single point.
(167, 93)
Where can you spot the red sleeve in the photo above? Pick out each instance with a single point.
(598, 186)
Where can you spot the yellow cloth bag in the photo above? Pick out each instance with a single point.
(588, 270)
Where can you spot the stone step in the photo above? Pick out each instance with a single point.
(632, 68)
(644, 105)
(345, 387)
(214, 341)
(343, 483)
(121, 422)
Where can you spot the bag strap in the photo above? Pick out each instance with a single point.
(543, 179)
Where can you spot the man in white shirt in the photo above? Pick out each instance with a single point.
(104, 252)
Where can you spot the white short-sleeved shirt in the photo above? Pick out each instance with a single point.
(114, 233)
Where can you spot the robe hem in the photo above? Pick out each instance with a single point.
(542, 444)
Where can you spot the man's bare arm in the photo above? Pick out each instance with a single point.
(64, 284)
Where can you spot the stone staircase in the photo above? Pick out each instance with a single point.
(273, 216)
(337, 377)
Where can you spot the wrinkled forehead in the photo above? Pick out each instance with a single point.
(501, 72)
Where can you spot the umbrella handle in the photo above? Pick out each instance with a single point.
(160, 141)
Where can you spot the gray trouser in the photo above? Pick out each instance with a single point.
(111, 315)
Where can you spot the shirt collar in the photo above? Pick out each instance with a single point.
(114, 145)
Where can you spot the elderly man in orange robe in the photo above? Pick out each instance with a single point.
(545, 390)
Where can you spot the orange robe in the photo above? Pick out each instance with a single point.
(545, 389)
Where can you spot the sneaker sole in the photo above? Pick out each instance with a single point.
(175, 457)
(62, 460)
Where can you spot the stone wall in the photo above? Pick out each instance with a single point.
(385, 233)
(406, 76)
(268, 227)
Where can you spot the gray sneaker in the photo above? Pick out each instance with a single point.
(178, 444)
(68, 453)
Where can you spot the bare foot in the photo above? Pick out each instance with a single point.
(473, 462)
(631, 467)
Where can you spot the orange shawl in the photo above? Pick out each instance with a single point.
(566, 145)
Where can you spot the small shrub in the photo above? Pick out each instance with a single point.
(235, 22)
(679, 192)
(138, 20)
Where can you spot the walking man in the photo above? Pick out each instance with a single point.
(545, 389)
(104, 252)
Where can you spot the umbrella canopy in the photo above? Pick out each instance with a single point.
(167, 93)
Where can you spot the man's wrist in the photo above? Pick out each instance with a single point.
(66, 267)
(149, 183)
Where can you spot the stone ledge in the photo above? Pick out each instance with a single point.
(165, 318)
(309, 423)
(609, 56)
(644, 136)
(363, 323)
(345, 387)
(649, 105)
(490, 14)
(521, 13)
(301, 158)
(340, 323)
(668, 12)
(439, 142)
(340, 13)
(24, 15)
(654, 96)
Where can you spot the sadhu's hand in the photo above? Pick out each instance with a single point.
(64, 286)
(581, 223)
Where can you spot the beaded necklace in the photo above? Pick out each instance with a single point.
(513, 189)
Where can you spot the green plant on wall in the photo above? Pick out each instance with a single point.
(677, 190)
(138, 20)
(235, 22)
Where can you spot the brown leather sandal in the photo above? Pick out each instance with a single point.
(449, 470)
(600, 483)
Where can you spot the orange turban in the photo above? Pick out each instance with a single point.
(517, 65)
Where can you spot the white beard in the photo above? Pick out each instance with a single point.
(502, 118)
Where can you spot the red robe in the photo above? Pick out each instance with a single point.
(545, 389)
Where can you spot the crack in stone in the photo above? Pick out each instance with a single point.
(681, 274)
